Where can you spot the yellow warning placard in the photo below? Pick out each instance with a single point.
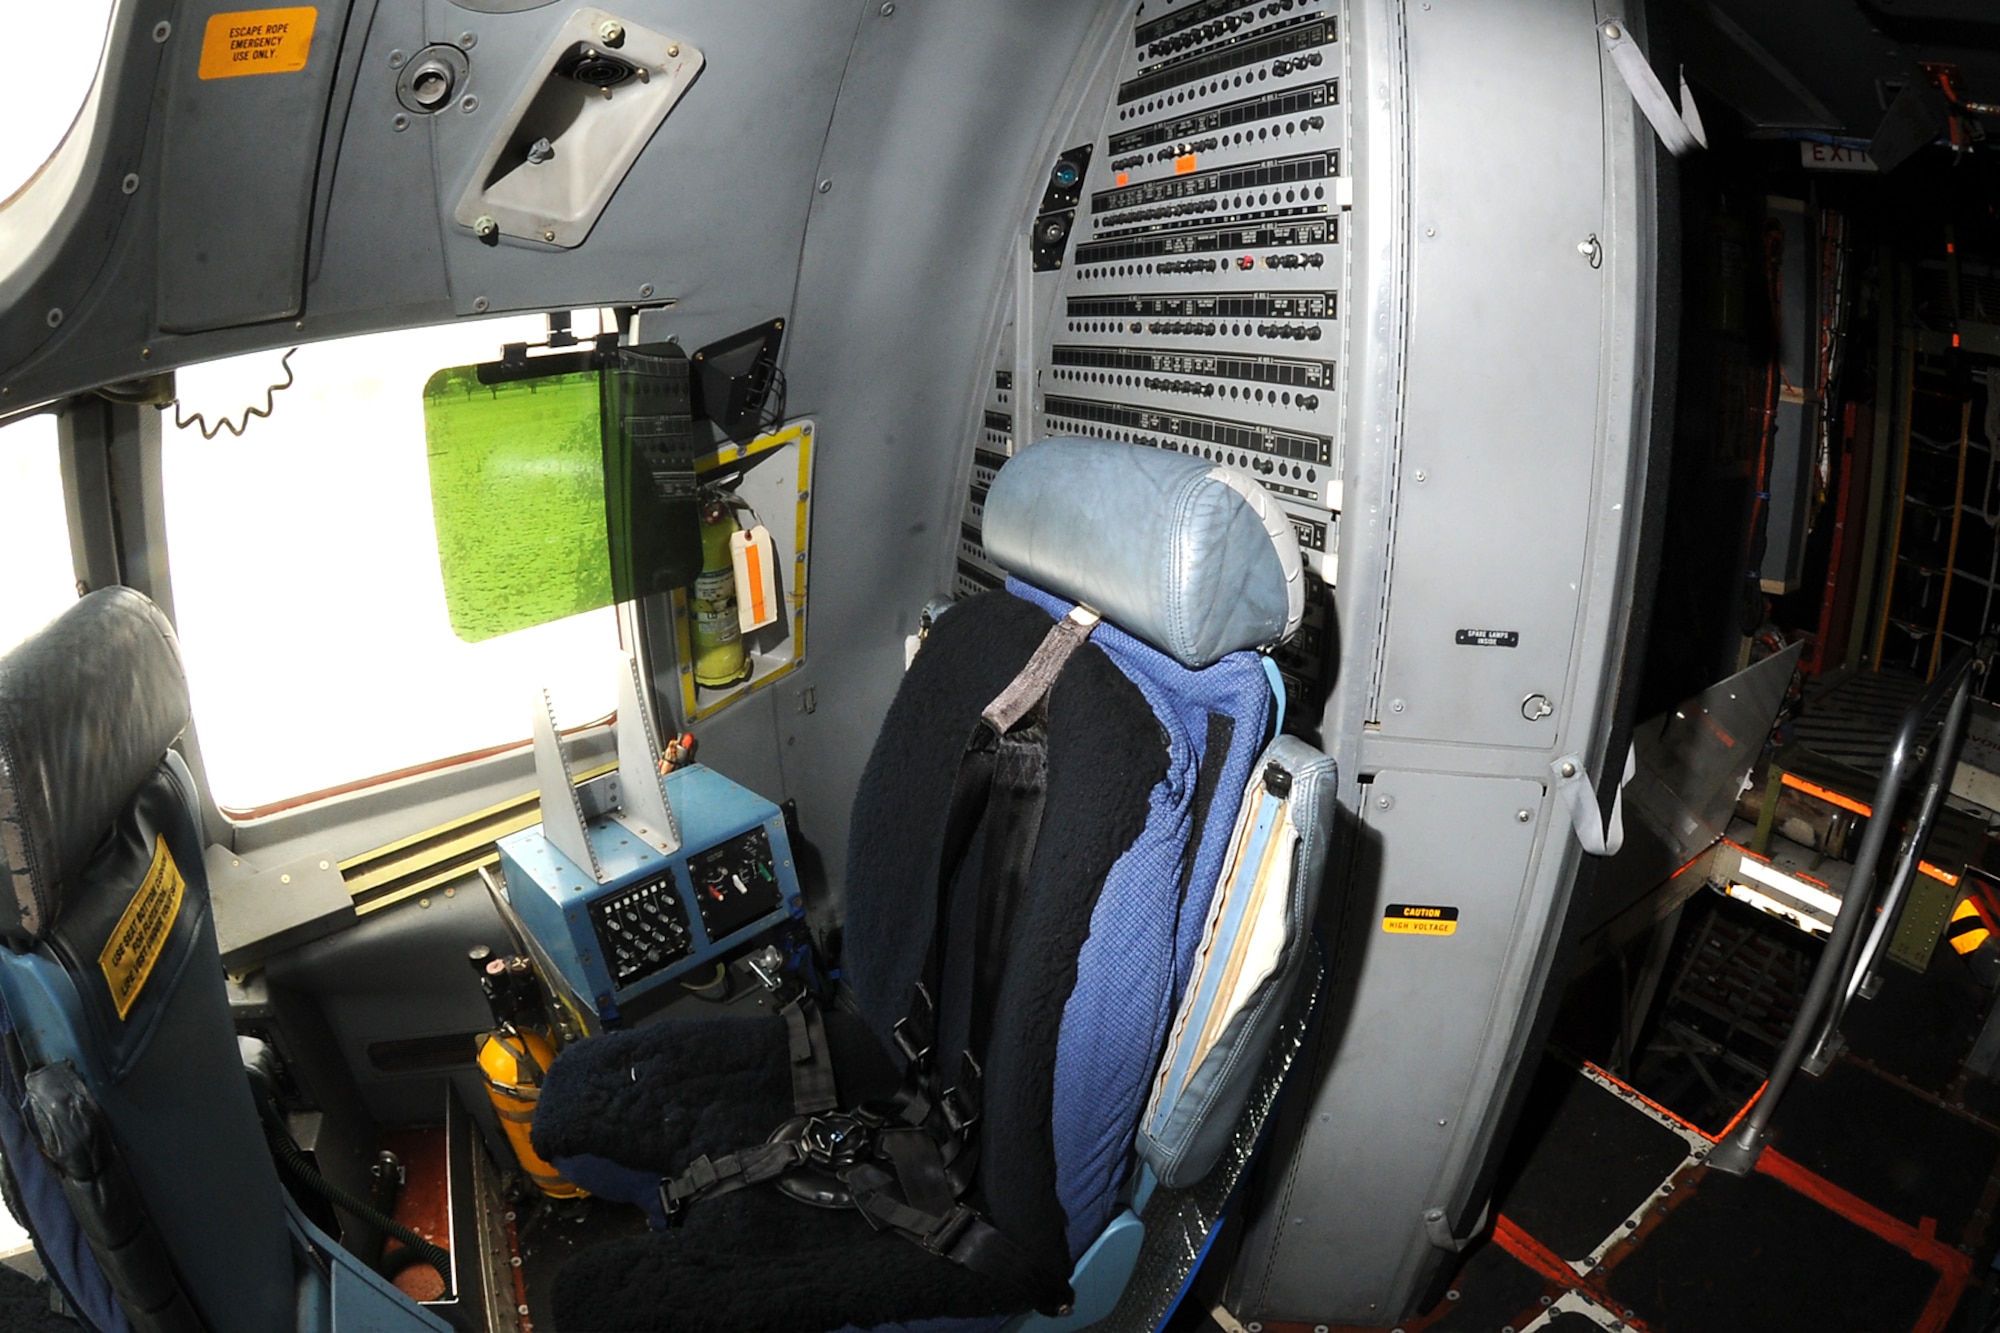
(257, 41)
(141, 933)
(1418, 919)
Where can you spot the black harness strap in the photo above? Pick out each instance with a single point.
(923, 1142)
(812, 1059)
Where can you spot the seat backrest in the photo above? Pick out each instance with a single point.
(110, 970)
(1153, 728)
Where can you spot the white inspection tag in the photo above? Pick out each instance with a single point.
(756, 577)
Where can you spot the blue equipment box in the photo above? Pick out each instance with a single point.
(656, 917)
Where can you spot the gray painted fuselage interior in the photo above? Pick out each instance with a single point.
(872, 172)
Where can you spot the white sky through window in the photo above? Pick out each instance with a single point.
(49, 54)
(306, 585)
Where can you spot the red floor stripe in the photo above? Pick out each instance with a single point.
(1954, 1268)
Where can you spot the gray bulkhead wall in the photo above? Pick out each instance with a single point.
(1503, 270)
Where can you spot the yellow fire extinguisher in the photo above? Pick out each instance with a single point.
(514, 1059)
(719, 659)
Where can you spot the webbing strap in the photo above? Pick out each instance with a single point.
(812, 1060)
(960, 1234)
(705, 1177)
(1035, 680)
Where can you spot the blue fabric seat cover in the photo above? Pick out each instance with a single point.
(1143, 937)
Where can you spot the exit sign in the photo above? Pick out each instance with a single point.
(1833, 157)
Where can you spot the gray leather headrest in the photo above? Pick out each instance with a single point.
(1195, 558)
(88, 707)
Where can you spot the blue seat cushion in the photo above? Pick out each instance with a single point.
(1148, 919)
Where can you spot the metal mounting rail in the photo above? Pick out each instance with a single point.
(1847, 966)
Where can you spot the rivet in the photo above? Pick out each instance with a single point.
(673, 48)
(323, 865)
(396, 59)
(1611, 31)
(1523, 816)
(468, 40)
(399, 122)
(1384, 802)
(54, 317)
(825, 185)
(468, 104)
(479, 304)
(1434, 1215)
(1569, 770)
(131, 182)
(1430, 231)
(646, 289)
(162, 30)
(145, 353)
(520, 1309)
(1422, 475)
(1395, 705)
(284, 879)
(888, 8)
(548, 235)
(515, 1261)
(423, 902)
(451, 893)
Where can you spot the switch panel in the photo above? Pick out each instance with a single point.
(641, 930)
(735, 883)
(1200, 306)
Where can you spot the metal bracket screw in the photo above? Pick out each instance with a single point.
(162, 30)
(484, 227)
(611, 32)
(131, 183)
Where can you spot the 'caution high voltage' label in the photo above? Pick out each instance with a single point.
(141, 933)
(1416, 919)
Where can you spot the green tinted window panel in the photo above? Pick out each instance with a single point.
(559, 485)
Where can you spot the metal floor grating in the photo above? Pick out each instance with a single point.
(1854, 721)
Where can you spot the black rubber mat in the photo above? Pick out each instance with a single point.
(1583, 1161)
(1920, 1025)
(1752, 1256)
(1909, 1157)
(1492, 1291)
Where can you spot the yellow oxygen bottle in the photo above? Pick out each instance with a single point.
(719, 659)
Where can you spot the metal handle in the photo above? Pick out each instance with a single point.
(1847, 958)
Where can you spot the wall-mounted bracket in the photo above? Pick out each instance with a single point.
(601, 88)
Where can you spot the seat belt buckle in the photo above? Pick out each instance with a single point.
(940, 1238)
(960, 1102)
(915, 1047)
(674, 1207)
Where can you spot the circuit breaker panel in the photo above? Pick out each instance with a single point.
(1185, 275)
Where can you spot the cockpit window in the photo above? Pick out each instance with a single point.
(41, 94)
(305, 575)
(34, 541)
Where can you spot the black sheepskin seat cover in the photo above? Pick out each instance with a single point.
(655, 1098)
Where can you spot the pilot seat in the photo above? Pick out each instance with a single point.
(1080, 879)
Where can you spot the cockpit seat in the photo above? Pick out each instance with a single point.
(131, 1147)
(1153, 731)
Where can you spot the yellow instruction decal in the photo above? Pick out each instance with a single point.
(1414, 919)
(257, 41)
(141, 933)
